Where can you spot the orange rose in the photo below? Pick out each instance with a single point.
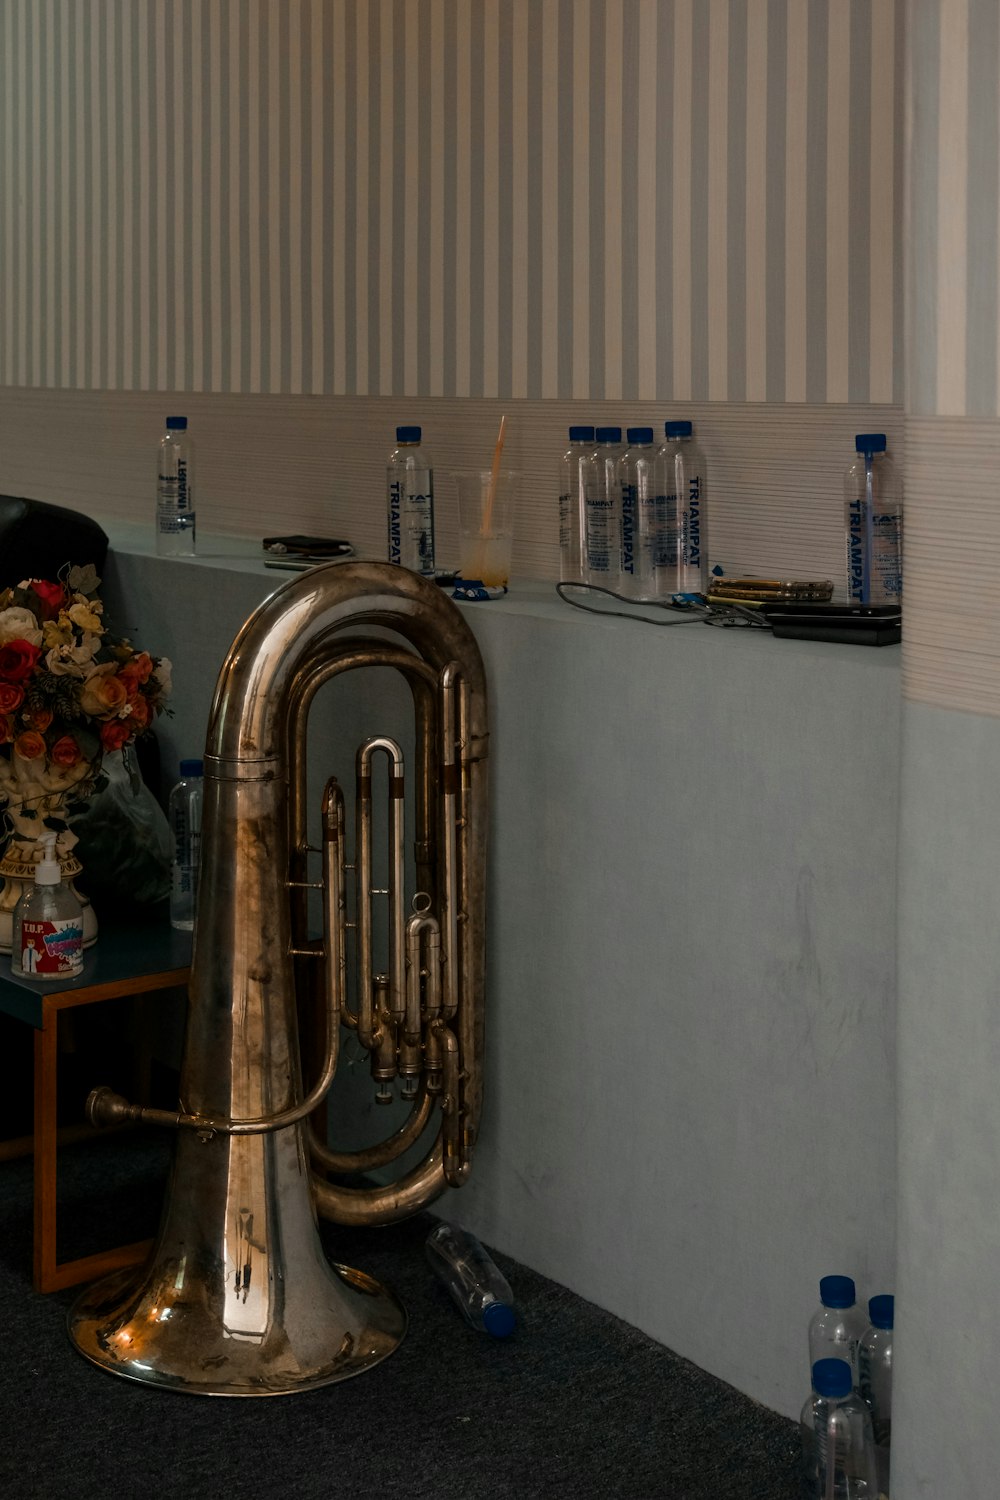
(103, 694)
(115, 733)
(37, 718)
(66, 752)
(11, 697)
(139, 717)
(142, 666)
(29, 745)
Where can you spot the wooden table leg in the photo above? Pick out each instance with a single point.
(46, 1105)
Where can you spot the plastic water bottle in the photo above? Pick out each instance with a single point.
(875, 1380)
(48, 923)
(603, 524)
(410, 496)
(837, 1325)
(682, 481)
(175, 491)
(577, 480)
(478, 1288)
(642, 511)
(873, 508)
(838, 1451)
(185, 825)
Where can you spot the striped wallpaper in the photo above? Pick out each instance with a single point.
(606, 199)
(951, 648)
(953, 240)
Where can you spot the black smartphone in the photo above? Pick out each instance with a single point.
(306, 546)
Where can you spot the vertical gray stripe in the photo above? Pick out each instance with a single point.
(187, 311)
(126, 185)
(212, 88)
(449, 195)
(425, 72)
(664, 204)
(505, 192)
(476, 190)
(374, 209)
(73, 23)
(103, 225)
(816, 176)
(631, 312)
(303, 87)
(736, 206)
(982, 270)
(901, 76)
(859, 237)
(227, 250)
(29, 181)
(268, 198)
(699, 202)
(170, 230)
(139, 171)
(282, 205)
(242, 114)
(85, 314)
(564, 220)
(399, 231)
(56, 167)
(777, 51)
(925, 60)
(599, 128)
(41, 175)
(348, 231)
(534, 215)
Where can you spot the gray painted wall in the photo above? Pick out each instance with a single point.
(691, 980)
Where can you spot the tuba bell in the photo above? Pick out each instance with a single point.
(237, 1297)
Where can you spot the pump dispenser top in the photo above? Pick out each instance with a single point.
(47, 871)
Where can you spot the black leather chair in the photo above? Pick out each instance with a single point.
(37, 539)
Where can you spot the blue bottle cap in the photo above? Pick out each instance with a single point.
(881, 1310)
(499, 1319)
(192, 768)
(832, 1377)
(581, 434)
(609, 434)
(677, 429)
(640, 435)
(870, 442)
(177, 424)
(837, 1291)
(408, 434)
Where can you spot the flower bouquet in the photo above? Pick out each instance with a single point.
(69, 692)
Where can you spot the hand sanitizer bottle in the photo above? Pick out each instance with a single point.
(48, 923)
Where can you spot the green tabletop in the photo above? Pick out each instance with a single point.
(123, 951)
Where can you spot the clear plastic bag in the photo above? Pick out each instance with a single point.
(124, 844)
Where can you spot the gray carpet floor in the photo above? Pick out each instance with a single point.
(577, 1403)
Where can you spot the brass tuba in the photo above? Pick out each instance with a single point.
(238, 1297)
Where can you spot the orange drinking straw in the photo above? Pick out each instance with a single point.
(484, 529)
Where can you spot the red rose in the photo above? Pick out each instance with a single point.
(17, 660)
(11, 697)
(66, 752)
(51, 597)
(29, 745)
(115, 733)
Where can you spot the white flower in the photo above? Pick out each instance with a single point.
(18, 624)
(161, 675)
